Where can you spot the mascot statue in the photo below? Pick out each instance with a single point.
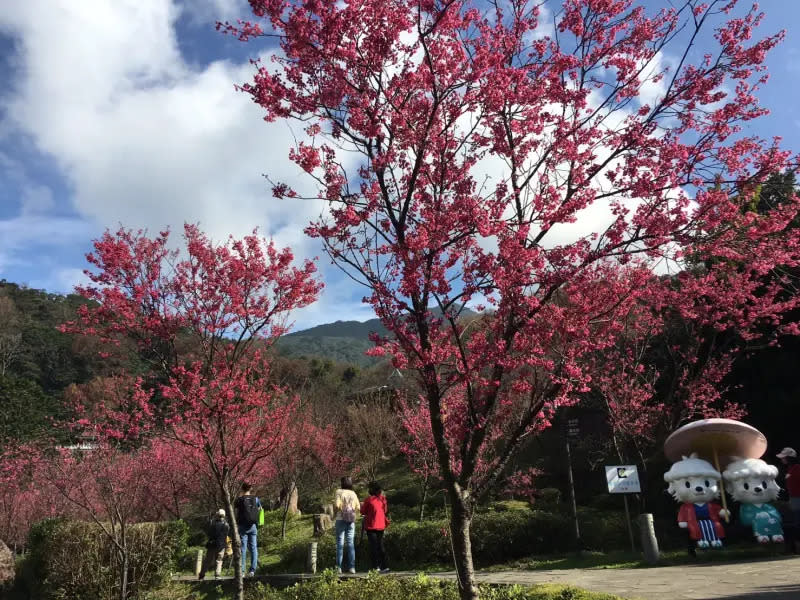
(751, 481)
(695, 484)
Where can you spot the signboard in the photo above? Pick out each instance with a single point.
(573, 429)
(622, 479)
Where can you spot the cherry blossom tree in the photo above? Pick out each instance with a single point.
(308, 455)
(24, 496)
(203, 318)
(177, 479)
(418, 447)
(662, 371)
(368, 432)
(539, 169)
(108, 486)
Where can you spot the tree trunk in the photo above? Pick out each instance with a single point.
(460, 522)
(123, 555)
(424, 498)
(286, 502)
(123, 587)
(237, 544)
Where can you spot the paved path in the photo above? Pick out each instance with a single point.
(774, 579)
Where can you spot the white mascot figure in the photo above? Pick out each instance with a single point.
(695, 484)
(751, 481)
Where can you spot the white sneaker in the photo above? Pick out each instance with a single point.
(384, 571)
(351, 571)
(339, 570)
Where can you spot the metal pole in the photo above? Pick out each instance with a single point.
(628, 521)
(727, 516)
(572, 497)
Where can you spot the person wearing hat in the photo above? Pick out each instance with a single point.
(789, 457)
(217, 543)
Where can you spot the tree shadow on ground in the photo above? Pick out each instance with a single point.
(776, 592)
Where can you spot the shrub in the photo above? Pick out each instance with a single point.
(75, 560)
(549, 498)
(418, 544)
(328, 587)
(512, 532)
(603, 530)
(506, 505)
(410, 497)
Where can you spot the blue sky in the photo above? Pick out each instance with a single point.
(125, 112)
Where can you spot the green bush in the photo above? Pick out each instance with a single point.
(410, 497)
(511, 531)
(506, 505)
(75, 560)
(421, 587)
(374, 587)
(549, 498)
(603, 530)
(186, 559)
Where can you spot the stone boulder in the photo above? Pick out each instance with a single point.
(293, 497)
(6, 564)
(322, 523)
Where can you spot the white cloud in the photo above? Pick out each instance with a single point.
(144, 138)
(147, 139)
(205, 12)
(63, 280)
(654, 80)
(20, 234)
(37, 199)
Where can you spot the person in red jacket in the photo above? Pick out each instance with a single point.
(373, 509)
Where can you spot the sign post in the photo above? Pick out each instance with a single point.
(624, 479)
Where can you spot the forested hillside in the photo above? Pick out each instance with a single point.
(38, 363)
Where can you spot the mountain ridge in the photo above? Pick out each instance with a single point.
(342, 341)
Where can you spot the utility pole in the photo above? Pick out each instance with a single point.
(573, 432)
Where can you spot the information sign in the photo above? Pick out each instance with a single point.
(623, 479)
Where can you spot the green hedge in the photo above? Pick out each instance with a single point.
(75, 560)
(375, 587)
(497, 537)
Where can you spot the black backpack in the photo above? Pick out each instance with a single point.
(247, 515)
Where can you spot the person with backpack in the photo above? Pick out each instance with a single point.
(217, 543)
(347, 508)
(248, 510)
(374, 509)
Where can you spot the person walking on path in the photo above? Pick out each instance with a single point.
(218, 531)
(247, 508)
(347, 508)
(374, 510)
(789, 457)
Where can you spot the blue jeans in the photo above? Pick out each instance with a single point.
(345, 535)
(249, 537)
